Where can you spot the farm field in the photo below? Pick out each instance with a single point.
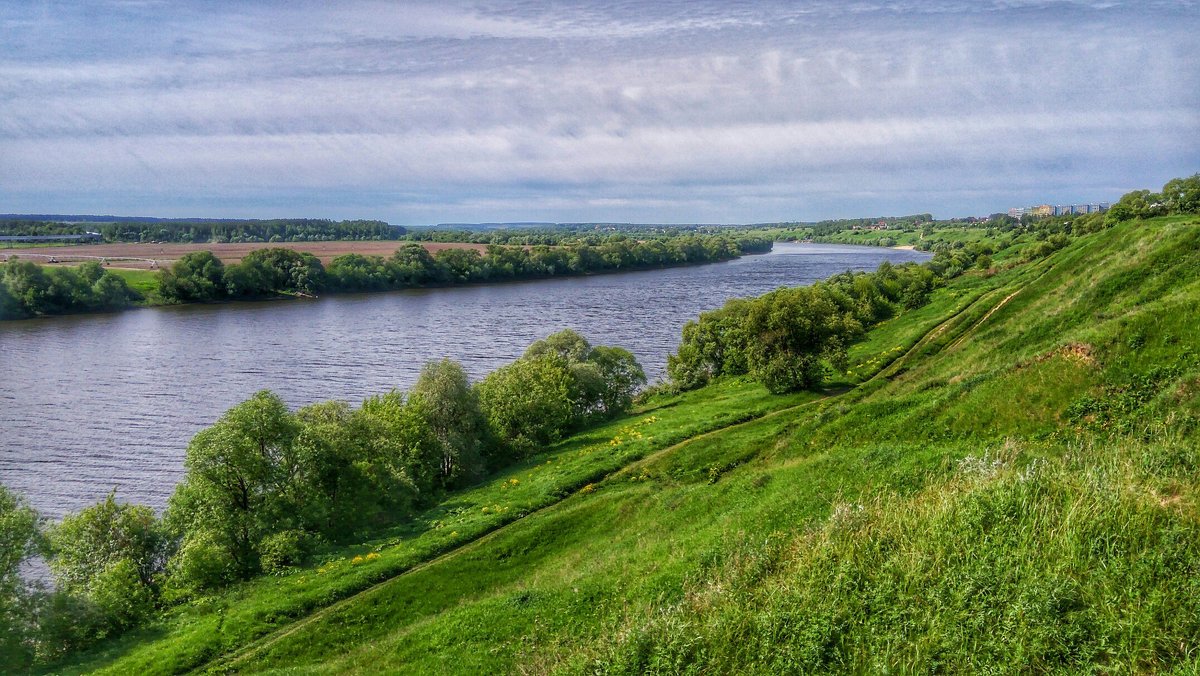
(147, 256)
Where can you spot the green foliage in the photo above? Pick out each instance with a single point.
(619, 376)
(19, 540)
(110, 555)
(28, 289)
(560, 383)
(271, 271)
(790, 339)
(197, 277)
(530, 402)
(284, 550)
(452, 413)
(236, 489)
(200, 564)
(211, 230)
(412, 265)
(714, 345)
(1178, 196)
(402, 455)
(797, 332)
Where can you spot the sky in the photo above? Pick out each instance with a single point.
(623, 111)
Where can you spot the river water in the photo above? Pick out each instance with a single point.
(96, 402)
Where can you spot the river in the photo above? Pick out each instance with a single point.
(96, 402)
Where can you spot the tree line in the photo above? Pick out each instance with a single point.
(213, 230)
(563, 234)
(1178, 196)
(265, 487)
(793, 338)
(28, 289)
(201, 276)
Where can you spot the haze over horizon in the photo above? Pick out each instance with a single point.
(671, 112)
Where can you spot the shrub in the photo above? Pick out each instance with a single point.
(283, 550)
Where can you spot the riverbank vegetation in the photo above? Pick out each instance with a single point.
(206, 230)
(280, 272)
(267, 487)
(1008, 479)
(30, 290)
(265, 272)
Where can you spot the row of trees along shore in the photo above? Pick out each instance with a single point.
(30, 290)
(265, 487)
(793, 338)
(201, 276)
(204, 231)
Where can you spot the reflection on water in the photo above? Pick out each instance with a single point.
(91, 403)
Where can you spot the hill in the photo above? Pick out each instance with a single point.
(1007, 482)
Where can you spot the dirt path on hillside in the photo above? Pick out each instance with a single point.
(984, 318)
(229, 662)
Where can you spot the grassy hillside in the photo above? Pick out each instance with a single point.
(1003, 480)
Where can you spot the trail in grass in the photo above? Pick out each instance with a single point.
(229, 662)
(985, 318)
(241, 657)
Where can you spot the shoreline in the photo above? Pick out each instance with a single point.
(148, 303)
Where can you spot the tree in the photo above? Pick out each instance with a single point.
(452, 413)
(239, 482)
(621, 376)
(110, 292)
(271, 271)
(461, 265)
(603, 379)
(1182, 195)
(197, 277)
(794, 333)
(9, 308)
(401, 456)
(19, 540)
(332, 479)
(412, 265)
(29, 287)
(713, 345)
(112, 555)
(529, 403)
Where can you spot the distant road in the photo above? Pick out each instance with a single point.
(147, 256)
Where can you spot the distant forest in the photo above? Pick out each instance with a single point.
(205, 231)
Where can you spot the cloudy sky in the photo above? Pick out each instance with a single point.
(696, 111)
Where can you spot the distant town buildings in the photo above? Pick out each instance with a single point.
(1059, 209)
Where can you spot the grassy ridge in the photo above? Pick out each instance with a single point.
(1009, 485)
(213, 626)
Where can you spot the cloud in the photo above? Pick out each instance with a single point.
(668, 111)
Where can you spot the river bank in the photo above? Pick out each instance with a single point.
(102, 400)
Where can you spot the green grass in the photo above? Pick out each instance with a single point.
(1006, 481)
(145, 282)
(213, 626)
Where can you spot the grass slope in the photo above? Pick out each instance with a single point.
(1004, 480)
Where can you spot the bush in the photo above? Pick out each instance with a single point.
(284, 550)
(529, 403)
(196, 277)
(121, 598)
(200, 564)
